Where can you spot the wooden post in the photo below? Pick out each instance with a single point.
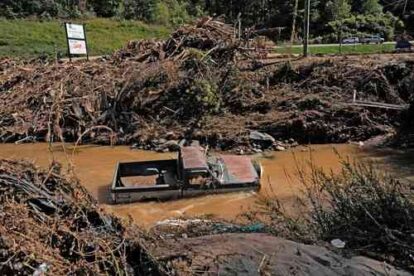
(86, 43)
(239, 22)
(67, 41)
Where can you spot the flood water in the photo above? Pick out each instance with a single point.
(94, 166)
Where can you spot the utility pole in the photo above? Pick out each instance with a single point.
(306, 29)
(405, 7)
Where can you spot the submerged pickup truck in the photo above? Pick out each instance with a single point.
(193, 173)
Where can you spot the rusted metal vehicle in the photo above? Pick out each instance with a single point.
(193, 173)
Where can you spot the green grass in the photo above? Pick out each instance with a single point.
(346, 49)
(26, 38)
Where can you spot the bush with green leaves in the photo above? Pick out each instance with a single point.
(23, 8)
(172, 12)
(368, 209)
(104, 8)
(370, 24)
(139, 9)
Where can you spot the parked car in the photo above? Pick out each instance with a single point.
(403, 45)
(372, 39)
(350, 40)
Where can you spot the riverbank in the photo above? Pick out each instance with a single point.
(159, 95)
(51, 225)
(46, 211)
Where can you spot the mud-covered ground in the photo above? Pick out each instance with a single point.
(263, 254)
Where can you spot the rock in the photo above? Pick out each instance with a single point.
(171, 135)
(260, 136)
(162, 141)
(41, 270)
(338, 243)
(172, 145)
(182, 142)
(257, 150)
(280, 148)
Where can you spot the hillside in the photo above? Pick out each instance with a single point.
(27, 38)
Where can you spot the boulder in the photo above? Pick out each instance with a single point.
(261, 137)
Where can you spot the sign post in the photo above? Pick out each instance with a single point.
(76, 40)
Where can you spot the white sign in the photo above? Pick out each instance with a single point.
(75, 31)
(77, 47)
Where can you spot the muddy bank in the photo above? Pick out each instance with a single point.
(156, 94)
(262, 254)
(405, 135)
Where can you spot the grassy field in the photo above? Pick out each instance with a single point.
(25, 38)
(346, 49)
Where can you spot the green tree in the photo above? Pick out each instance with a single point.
(104, 8)
(139, 9)
(338, 9)
(371, 7)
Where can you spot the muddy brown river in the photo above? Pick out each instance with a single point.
(94, 166)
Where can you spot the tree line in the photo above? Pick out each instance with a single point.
(329, 18)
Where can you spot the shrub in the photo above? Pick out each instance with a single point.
(105, 8)
(372, 212)
(367, 209)
(139, 9)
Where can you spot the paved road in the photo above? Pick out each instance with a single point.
(337, 45)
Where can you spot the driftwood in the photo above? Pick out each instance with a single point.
(201, 83)
(206, 34)
(50, 224)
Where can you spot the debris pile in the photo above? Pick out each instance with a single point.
(50, 225)
(405, 135)
(205, 35)
(196, 86)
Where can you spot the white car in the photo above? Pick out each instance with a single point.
(372, 39)
(350, 40)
